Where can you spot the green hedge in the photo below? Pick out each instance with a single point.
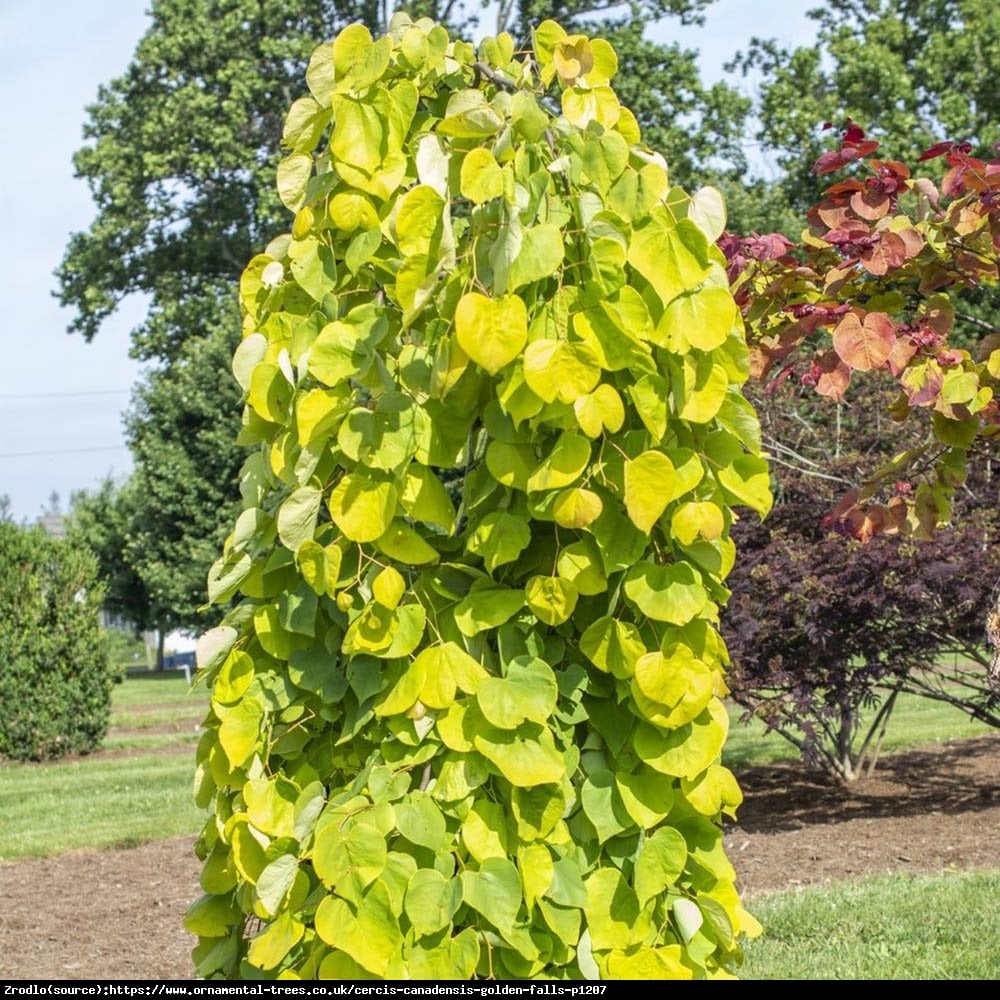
(55, 675)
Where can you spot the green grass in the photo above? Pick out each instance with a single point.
(164, 690)
(50, 808)
(895, 927)
(915, 722)
(189, 715)
(130, 740)
(112, 801)
(151, 702)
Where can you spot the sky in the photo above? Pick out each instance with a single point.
(61, 399)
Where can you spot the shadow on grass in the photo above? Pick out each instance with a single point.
(955, 777)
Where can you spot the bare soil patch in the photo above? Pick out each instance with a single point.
(922, 811)
(117, 913)
(112, 914)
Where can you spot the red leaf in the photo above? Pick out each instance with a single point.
(834, 159)
(881, 520)
(938, 149)
(871, 203)
(844, 187)
(835, 376)
(864, 344)
(853, 132)
(891, 250)
(901, 354)
(848, 502)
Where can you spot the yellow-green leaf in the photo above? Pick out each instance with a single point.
(388, 587)
(673, 593)
(599, 410)
(524, 760)
(481, 177)
(708, 212)
(647, 797)
(402, 543)
(239, 732)
(580, 564)
(277, 939)
(511, 464)
(613, 915)
(613, 646)
(576, 508)
(702, 318)
(560, 369)
(540, 256)
(361, 507)
(487, 606)
(688, 750)
(491, 331)
(370, 935)
(697, 519)
(431, 901)
(297, 517)
(563, 465)
(700, 388)
(551, 599)
(672, 257)
(494, 891)
(747, 479)
(447, 668)
(527, 692)
(499, 538)
(293, 175)
(649, 484)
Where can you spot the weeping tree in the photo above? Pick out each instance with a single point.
(477, 739)
(180, 156)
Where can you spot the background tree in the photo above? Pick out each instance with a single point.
(155, 534)
(824, 631)
(101, 520)
(913, 71)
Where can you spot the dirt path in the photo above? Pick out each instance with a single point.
(116, 914)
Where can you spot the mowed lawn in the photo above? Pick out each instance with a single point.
(139, 790)
(943, 926)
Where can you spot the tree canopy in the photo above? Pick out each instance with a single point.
(180, 155)
(181, 149)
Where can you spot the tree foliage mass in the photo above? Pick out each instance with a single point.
(480, 741)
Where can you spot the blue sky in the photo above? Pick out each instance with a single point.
(61, 399)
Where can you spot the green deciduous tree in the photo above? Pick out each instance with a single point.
(914, 71)
(100, 520)
(156, 533)
(480, 741)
